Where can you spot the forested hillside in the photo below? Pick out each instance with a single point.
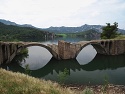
(11, 32)
(89, 34)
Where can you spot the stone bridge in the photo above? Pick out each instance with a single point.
(64, 50)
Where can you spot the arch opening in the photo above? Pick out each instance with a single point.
(90, 50)
(86, 54)
(54, 54)
(37, 58)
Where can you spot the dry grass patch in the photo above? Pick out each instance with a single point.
(17, 83)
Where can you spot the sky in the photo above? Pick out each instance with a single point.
(46, 13)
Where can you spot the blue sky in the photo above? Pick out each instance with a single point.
(46, 13)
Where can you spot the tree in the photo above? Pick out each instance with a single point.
(109, 31)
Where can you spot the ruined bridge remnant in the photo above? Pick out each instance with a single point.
(8, 50)
(64, 50)
(106, 47)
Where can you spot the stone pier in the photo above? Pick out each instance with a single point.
(8, 51)
(66, 50)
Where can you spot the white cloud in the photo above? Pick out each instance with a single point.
(45, 13)
(95, 13)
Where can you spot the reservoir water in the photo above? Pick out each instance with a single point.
(89, 68)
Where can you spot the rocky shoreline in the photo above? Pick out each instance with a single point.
(99, 89)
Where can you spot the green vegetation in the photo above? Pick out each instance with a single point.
(27, 70)
(63, 76)
(120, 37)
(88, 91)
(23, 51)
(15, 33)
(109, 31)
(21, 56)
(61, 35)
(85, 34)
(105, 86)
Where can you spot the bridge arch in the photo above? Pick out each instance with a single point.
(54, 54)
(83, 46)
(97, 46)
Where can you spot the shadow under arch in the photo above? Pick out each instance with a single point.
(97, 46)
(54, 54)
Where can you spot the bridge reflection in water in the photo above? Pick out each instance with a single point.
(93, 73)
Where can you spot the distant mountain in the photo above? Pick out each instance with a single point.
(121, 31)
(63, 29)
(82, 28)
(6, 22)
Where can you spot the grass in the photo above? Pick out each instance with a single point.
(120, 37)
(88, 91)
(17, 83)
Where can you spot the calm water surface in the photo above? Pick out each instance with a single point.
(89, 68)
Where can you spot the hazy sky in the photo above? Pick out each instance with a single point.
(46, 13)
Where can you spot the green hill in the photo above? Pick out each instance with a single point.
(11, 32)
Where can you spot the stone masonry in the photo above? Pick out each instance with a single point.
(64, 50)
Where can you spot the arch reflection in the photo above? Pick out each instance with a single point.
(100, 62)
